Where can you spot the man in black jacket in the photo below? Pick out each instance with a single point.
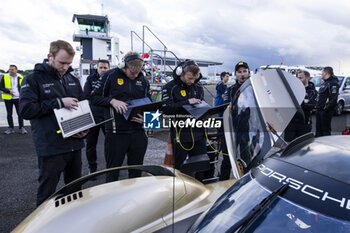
(242, 74)
(51, 85)
(184, 89)
(92, 82)
(118, 87)
(299, 125)
(326, 102)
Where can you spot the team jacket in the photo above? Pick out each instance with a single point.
(310, 98)
(220, 90)
(230, 92)
(176, 94)
(114, 84)
(92, 82)
(41, 92)
(328, 95)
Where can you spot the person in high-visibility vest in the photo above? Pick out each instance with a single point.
(10, 86)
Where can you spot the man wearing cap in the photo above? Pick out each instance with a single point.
(242, 74)
(118, 86)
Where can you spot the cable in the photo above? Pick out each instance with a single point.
(206, 135)
(180, 140)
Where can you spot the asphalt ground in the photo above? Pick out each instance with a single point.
(19, 172)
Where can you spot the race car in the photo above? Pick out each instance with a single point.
(145, 204)
(303, 188)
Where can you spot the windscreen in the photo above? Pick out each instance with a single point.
(247, 130)
(281, 216)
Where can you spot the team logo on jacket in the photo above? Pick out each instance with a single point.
(183, 93)
(120, 81)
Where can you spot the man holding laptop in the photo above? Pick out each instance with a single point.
(52, 86)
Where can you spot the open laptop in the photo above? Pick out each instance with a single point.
(72, 121)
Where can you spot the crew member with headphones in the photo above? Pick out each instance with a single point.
(118, 86)
(184, 89)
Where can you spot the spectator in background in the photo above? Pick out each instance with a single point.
(92, 82)
(220, 90)
(326, 102)
(298, 125)
(10, 86)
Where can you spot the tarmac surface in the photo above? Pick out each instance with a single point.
(19, 171)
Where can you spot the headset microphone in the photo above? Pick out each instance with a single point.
(125, 60)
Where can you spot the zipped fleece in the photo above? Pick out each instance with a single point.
(116, 85)
(41, 92)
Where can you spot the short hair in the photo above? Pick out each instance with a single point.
(135, 64)
(194, 69)
(306, 73)
(223, 74)
(14, 66)
(103, 61)
(57, 45)
(329, 70)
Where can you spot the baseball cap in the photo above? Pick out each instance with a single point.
(241, 64)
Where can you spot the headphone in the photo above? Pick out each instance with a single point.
(180, 68)
(125, 60)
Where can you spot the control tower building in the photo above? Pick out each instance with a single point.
(96, 42)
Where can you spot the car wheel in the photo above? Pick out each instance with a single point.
(340, 108)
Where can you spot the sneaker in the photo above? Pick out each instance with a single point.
(23, 130)
(9, 131)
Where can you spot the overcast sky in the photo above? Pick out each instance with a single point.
(259, 32)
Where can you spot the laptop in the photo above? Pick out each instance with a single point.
(72, 121)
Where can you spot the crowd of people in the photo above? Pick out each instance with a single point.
(52, 86)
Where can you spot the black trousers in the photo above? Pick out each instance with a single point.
(225, 169)
(118, 145)
(295, 129)
(50, 169)
(323, 123)
(9, 109)
(91, 142)
(180, 154)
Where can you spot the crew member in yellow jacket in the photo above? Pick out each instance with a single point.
(10, 86)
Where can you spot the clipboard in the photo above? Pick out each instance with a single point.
(203, 109)
(141, 105)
